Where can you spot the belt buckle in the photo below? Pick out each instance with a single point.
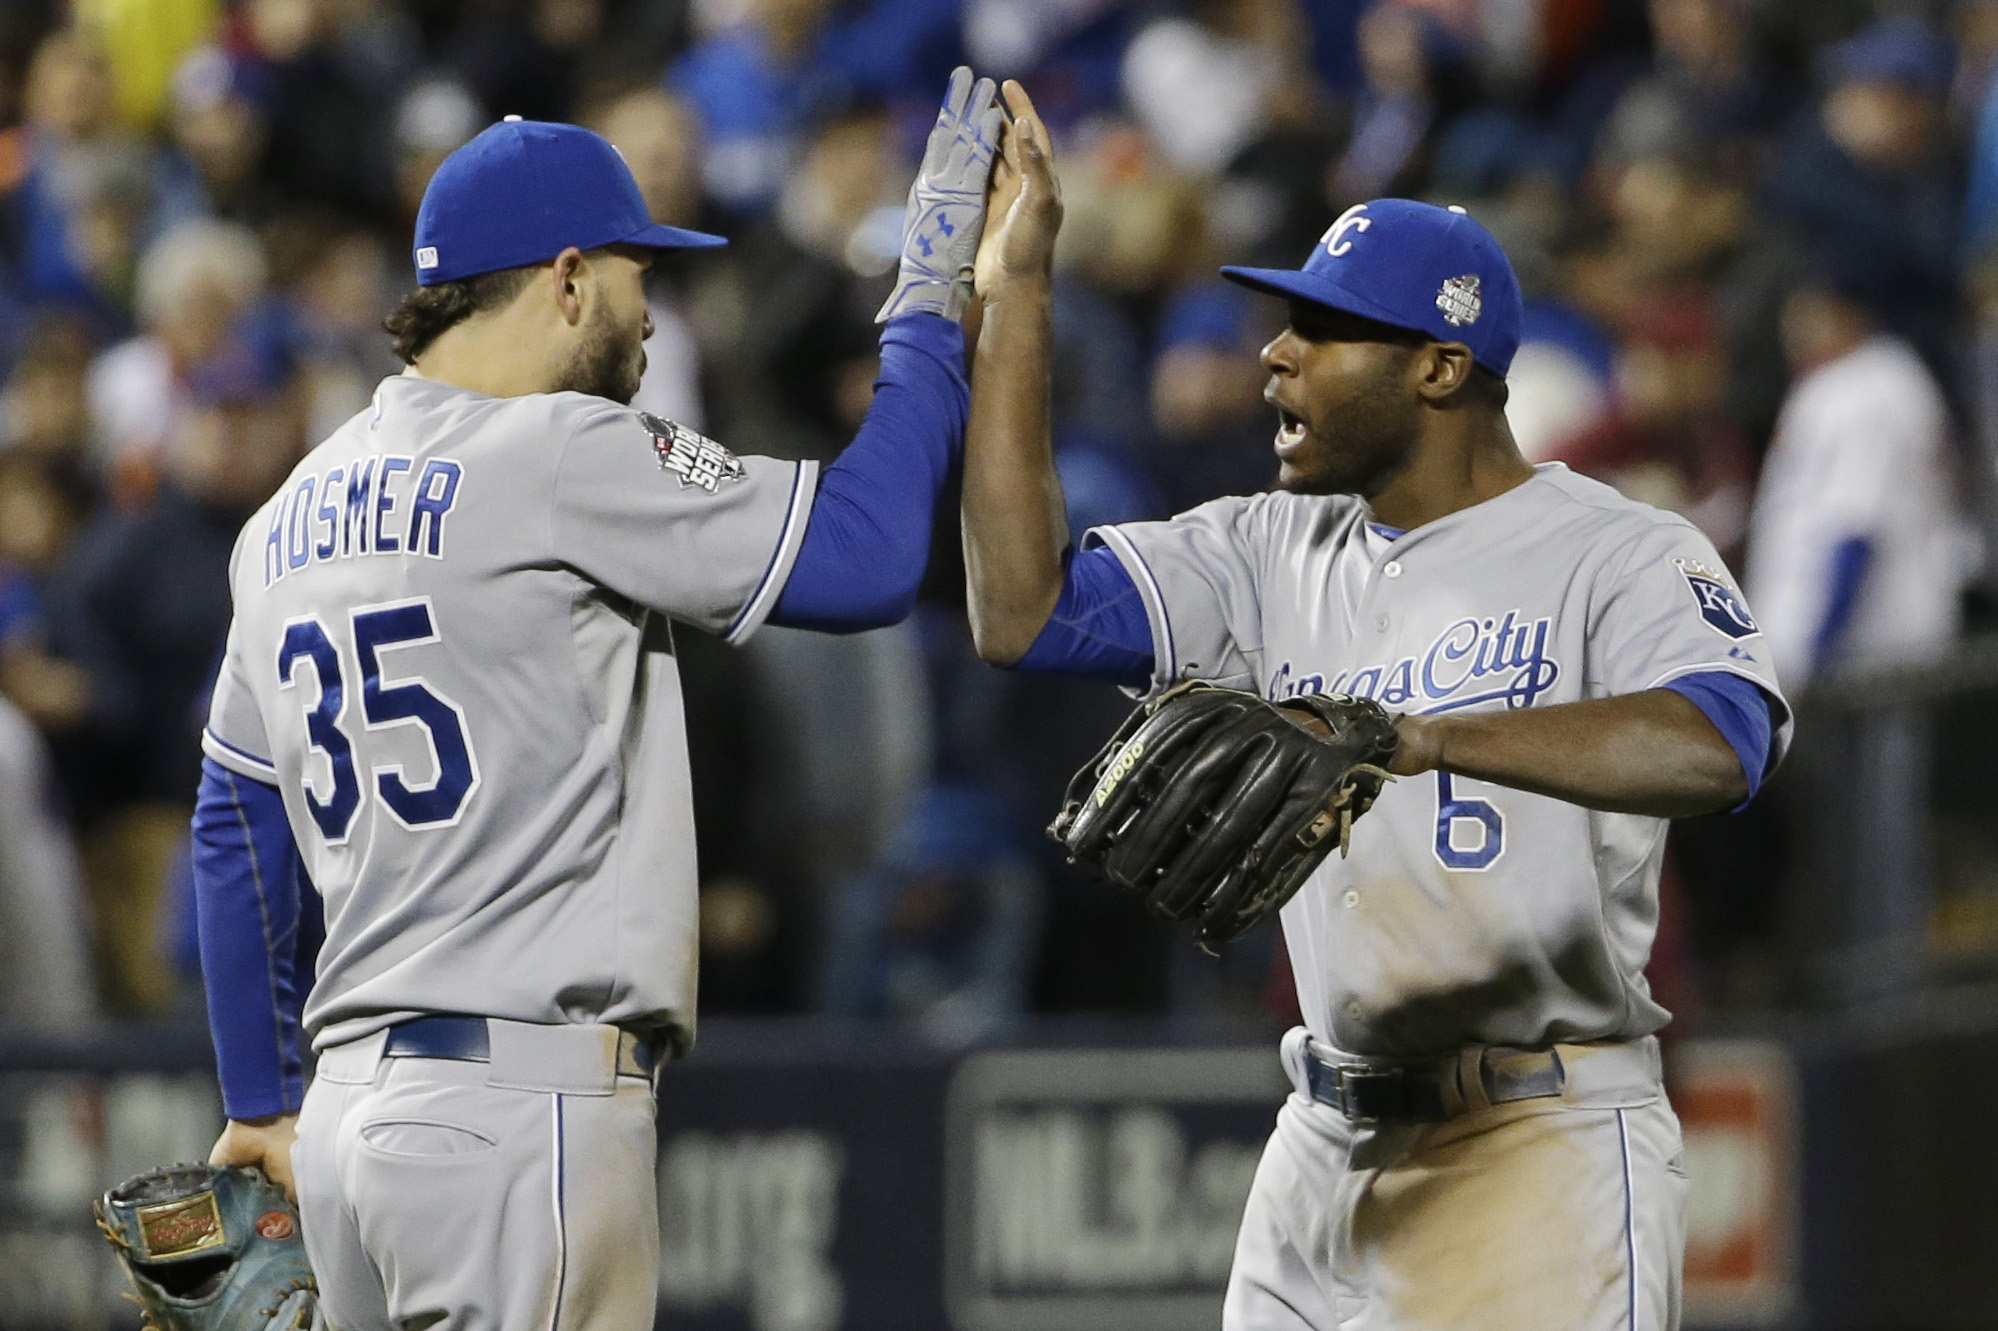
(1369, 1094)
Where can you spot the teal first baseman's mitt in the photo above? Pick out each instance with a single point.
(210, 1249)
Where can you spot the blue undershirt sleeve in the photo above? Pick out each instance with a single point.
(1742, 713)
(1098, 627)
(867, 541)
(248, 889)
(1850, 560)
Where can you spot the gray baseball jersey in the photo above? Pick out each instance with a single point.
(451, 652)
(1467, 911)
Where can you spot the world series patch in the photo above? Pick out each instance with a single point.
(1717, 602)
(690, 455)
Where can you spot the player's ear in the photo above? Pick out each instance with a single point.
(569, 272)
(1443, 370)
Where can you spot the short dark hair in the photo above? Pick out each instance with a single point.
(428, 312)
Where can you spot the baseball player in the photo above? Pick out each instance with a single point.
(449, 704)
(1479, 1137)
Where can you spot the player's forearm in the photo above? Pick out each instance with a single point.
(1015, 528)
(1652, 753)
(247, 903)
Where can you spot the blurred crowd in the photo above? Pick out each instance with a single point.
(1758, 240)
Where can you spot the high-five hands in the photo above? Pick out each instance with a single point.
(946, 212)
(1023, 205)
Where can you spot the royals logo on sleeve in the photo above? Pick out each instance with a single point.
(1719, 604)
(693, 457)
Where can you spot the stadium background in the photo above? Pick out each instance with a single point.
(943, 1082)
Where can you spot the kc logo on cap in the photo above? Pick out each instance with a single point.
(1334, 240)
(1410, 265)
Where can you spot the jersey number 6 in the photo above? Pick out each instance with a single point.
(375, 631)
(1457, 815)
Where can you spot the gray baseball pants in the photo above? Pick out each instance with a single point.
(515, 1195)
(1561, 1212)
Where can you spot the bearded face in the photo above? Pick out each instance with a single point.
(1347, 420)
(609, 356)
(609, 360)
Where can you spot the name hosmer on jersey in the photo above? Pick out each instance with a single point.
(382, 505)
(1473, 661)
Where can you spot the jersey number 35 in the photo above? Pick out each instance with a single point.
(374, 631)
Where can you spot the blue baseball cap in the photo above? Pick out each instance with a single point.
(523, 191)
(1413, 265)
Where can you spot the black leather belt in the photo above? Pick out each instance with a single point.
(467, 1040)
(1431, 1092)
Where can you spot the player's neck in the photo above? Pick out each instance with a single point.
(1456, 468)
(493, 356)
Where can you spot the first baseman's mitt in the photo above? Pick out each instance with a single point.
(210, 1249)
(1216, 805)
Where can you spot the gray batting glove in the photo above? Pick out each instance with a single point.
(946, 213)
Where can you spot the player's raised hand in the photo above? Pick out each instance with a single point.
(1024, 204)
(946, 212)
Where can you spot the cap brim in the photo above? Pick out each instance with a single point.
(656, 237)
(1293, 284)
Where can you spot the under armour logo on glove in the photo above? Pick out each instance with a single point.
(946, 212)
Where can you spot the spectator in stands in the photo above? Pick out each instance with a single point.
(1203, 85)
(143, 45)
(47, 981)
(1668, 440)
(1559, 382)
(434, 119)
(46, 491)
(219, 125)
(193, 284)
(793, 367)
(336, 70)
(1211, 433)
(1977, 98)
(340, 295)
(143, 606)
(1870, 174)
(1705, 88)
(1402, 103)
(1135, 229)
(941, 933)
(83, 203)
(757, 86)
(1856, 550)
(45, 406)
(39, 519)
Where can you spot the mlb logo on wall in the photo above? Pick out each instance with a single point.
(1718, 603)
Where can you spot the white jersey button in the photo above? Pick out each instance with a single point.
(1355, 1011)
(1392, 568)
(1381, 624)
(1352, 900)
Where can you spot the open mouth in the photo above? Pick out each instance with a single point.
(1290, 430)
